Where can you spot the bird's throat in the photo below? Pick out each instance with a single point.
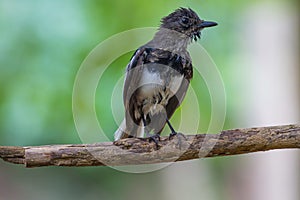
(170, 40)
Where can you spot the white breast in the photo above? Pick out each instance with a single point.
(175, 83)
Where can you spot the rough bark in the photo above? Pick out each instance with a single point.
(134, 151)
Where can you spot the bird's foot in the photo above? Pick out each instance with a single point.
(179, 137)
(176, 134)
(154, 138)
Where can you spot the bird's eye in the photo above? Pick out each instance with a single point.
(185, 20)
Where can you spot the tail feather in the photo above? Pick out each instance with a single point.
(123, 132)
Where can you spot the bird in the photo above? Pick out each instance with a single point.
(158, 76)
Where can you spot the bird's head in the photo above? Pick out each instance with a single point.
(187, 22)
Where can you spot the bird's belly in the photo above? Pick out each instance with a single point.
(156, 88)
(155, 77)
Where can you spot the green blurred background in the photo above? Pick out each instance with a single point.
(43, 44)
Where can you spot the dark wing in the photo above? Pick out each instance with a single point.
(184, 67)
(132, 80)
(133, 74)
(175, 101)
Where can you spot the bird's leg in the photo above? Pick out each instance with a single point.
(173, 132)
(152, 138)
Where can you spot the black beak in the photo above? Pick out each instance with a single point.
(206, 24)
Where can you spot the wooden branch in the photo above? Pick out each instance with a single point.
(134, 151)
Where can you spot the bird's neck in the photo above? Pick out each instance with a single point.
(170, 40)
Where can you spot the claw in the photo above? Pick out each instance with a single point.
(176, 134)
(155, 138)
(173, 134)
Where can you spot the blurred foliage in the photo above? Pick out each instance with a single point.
(42, 46)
